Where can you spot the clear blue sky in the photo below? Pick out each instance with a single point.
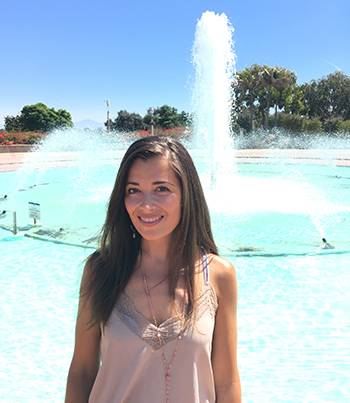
(74, 54)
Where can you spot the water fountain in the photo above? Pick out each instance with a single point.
(269, 219)
(276, 207)
(214, 63)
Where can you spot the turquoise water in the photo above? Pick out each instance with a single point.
(38, 299)
(268, 219)
(260, 209)
(294, 325)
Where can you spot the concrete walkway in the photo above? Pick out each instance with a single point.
(10, 162)
(295, 156)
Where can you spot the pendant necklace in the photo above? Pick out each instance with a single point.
(166, 367)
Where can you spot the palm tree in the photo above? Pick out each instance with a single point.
(267, 74)
(249, 81)
(274, 78)
(282, 79)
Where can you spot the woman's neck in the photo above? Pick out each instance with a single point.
(155, 257)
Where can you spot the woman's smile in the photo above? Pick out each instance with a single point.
(149, 220)
(153, 197)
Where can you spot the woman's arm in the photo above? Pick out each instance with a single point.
(86, 357)
(224, 353)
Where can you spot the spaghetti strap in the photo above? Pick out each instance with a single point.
(205, 266)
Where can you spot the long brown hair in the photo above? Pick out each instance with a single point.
(113, 263)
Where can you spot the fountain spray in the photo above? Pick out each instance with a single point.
(214, 62)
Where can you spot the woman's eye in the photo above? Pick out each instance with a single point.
(132, 191)
(162, 189)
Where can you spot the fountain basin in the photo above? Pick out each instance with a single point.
(276, 201)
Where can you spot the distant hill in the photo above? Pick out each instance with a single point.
(88, 124)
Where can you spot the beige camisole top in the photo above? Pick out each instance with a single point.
(132, 366)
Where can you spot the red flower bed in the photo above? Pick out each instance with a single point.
(11, 138)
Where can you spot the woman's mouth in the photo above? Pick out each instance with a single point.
(150, 220)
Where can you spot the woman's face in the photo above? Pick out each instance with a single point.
(153, 198)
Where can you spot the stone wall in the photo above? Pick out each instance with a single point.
(16, 148)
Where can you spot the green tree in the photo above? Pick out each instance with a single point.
(126, 121)
(267, 74)
(314, 102)
(168, 117)
(262, 107)
(249, 82)
(329, 97)
(243, 120)
(147, 119)
(12, 124)
(259, 87)
(274, 80)
(296, 104)
(185, 119)
(39, 117)
(283, 81)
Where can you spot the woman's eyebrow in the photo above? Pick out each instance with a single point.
(161, 182)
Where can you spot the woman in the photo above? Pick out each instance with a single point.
(157, 304)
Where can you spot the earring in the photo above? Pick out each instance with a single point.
(133, 231)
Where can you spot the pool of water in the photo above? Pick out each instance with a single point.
(268, 219)
(274, 208)
(294, 324)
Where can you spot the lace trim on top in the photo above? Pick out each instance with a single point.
(126, 311)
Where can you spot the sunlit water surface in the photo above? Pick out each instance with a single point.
(294, 323)
(268, 219)
(273, 208)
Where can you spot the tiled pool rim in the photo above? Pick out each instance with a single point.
(13, 161)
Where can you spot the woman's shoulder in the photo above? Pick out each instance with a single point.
(94, 256)
(93, 260)
(222, 275)
(220, 266)
(90, 266)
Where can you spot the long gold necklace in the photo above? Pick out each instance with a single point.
(166, 367)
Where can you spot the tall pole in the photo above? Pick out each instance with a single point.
(107, 102)
(151, 112)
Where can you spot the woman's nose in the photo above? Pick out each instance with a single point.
(147, 202)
